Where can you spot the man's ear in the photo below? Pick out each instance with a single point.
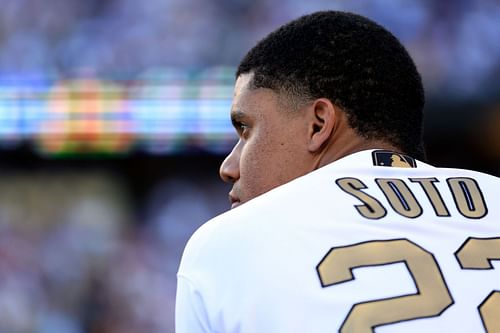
(322, 123)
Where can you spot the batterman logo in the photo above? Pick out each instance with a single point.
(392, 159)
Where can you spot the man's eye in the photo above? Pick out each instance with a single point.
(242, 128)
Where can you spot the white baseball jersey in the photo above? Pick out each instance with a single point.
(374, 242)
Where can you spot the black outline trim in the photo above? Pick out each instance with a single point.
(468, 194)
(482, 303)
(399, 195)
(364, 205)
(478, 269)
(389, 298)
(433, 180)
(488, 259)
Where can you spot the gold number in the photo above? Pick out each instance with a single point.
(432, 296)
(489, 312)
(477, 253)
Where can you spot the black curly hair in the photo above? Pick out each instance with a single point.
(354, 62)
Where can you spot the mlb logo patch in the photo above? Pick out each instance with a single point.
(389, 158)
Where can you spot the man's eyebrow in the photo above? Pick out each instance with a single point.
(237, 116)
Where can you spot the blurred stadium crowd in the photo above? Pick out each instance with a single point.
(73, 260)
(92, 244)
(454, 42)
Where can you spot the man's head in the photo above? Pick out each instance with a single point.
(329, 81)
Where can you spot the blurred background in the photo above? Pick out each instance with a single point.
(114, 120)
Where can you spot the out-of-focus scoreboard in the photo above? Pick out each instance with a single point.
(162, 111)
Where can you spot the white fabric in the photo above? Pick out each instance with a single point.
(253, 269)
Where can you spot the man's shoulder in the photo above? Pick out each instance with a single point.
(457, 172)
(236, 231)
(264, 216)
(213, 240)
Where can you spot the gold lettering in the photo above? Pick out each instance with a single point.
(371, 207)
(400, 197)
(468, 197)
(433, 194)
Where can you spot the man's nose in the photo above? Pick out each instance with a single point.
(230, 169)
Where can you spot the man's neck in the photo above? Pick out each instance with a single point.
(345, 145)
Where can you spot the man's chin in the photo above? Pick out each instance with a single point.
(235, 204)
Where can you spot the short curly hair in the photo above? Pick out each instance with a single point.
(352, 61)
